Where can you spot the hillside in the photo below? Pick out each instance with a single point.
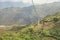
(27, 15)
(44, 30)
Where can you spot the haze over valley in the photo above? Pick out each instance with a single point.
(27, 15)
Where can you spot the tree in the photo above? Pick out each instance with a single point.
(55, 19)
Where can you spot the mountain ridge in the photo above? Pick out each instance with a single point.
(27, 15)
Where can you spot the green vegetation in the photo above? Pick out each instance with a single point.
(50, 30)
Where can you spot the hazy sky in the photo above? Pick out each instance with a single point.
(29, 1)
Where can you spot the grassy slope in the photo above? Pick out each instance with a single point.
(49, 29)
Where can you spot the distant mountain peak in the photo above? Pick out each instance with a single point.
(13, 4)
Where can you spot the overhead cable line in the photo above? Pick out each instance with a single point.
(36, 12)
(39, 18)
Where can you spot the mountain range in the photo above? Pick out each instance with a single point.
(27, 15)
(13, 4)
